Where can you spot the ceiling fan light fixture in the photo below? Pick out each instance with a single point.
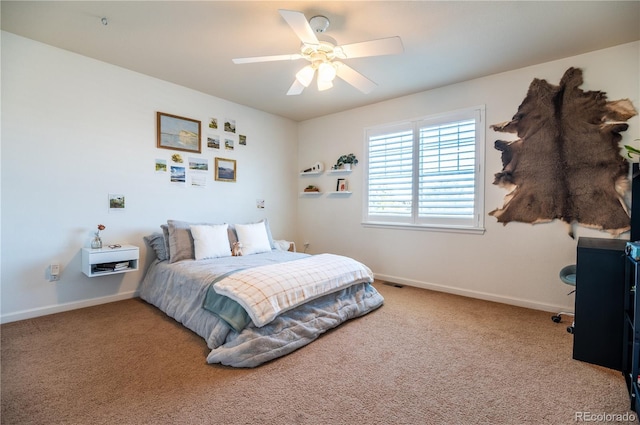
(324, 85)
(326, 72)
(321, 51)
(305, 75)
(319, 23)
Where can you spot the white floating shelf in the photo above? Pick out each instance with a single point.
(103, 261)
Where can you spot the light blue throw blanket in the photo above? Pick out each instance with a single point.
(226, 308)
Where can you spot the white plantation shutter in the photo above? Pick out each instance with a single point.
(447, 171)
(390, 177)
(427, 172)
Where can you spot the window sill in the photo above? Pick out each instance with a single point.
(423, 227)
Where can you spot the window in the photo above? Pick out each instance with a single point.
(427, 172)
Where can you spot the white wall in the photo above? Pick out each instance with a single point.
(517, 263)
(75, 130)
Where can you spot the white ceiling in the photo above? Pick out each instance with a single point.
(192, 43)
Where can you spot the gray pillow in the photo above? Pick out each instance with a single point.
(165, 232)
(156, 242)
(181, 245)
(180, 241)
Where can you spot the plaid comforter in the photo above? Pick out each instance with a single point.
(266, 291)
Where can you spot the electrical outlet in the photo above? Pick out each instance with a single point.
(54, 272)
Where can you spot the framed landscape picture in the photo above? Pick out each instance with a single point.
(225, 170)
(178, 133)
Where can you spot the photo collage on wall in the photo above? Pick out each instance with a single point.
(192, 166)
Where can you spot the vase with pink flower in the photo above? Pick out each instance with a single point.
(96, 242)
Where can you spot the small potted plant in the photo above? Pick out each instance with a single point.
(631, 150)
(345, 161)
(311, 188)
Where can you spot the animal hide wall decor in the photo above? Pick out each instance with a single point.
(566, 163)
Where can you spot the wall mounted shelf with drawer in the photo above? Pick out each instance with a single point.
(106, 261)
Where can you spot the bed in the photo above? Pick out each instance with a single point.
(258, 306)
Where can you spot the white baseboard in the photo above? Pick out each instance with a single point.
(534, 305)
(59, 308)
(43, 311)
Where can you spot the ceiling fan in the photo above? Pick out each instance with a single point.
(322, 54)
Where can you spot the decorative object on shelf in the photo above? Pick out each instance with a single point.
(312, 188)
(342, 185)
(345, 162)
(318, 167)
(631, 150)
(96, 242)
(178, 133)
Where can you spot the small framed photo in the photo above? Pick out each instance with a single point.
(116, 203)
(342, 185)
(229, 125)
(213, 142)
(178, 133)
(225, 170)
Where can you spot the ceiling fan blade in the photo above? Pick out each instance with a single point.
(296, 88)
(292, 57)
(383, 46)
(354, 78)
(299, 24)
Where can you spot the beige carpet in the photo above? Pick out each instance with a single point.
(423, 358)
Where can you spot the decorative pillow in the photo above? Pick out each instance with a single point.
(210, 241)
(253, 238)
(156, 242)
(233, 237)
(180, 241)
(282, 245)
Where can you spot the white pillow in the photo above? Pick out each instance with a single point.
(253, 238)
(210, 241)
